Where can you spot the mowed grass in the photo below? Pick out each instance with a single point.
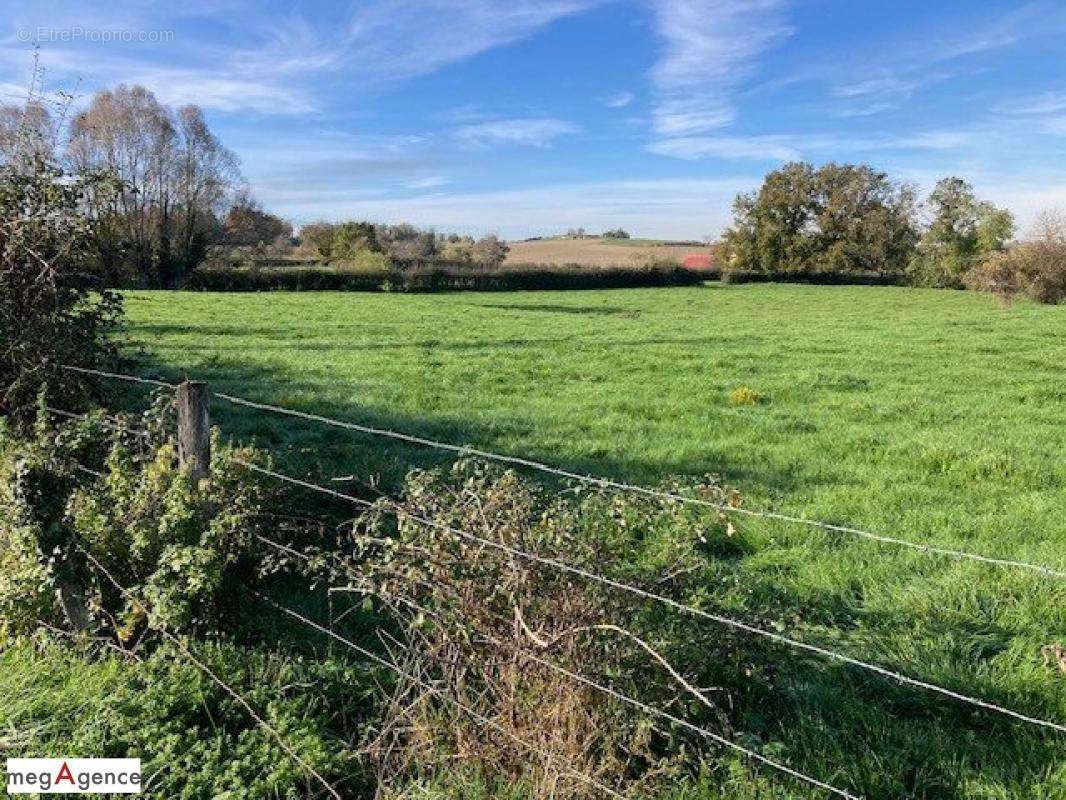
(926, 415)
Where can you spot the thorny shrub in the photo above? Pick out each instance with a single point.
(52, 308)
(173, 544)
(476, 619)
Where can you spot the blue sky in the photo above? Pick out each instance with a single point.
(525, 118)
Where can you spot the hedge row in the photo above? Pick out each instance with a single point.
(438, 280)
(521, 276)
(820, 278)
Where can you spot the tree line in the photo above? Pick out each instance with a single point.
(179, 195)
(852, 219)
(174, 178)
(371, 245)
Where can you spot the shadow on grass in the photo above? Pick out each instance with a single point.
(330, 451)
(290, 342)
(551, 308)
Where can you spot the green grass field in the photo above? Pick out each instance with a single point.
(927, 415)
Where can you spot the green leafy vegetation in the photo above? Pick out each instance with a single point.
(853, 221)
(841, 218)
(103, 567)
(176, 545)
(51, 309)
(194, 740)
(963, 232)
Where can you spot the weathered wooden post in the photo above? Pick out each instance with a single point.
(194, 430)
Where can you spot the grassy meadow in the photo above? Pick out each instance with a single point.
(928, 415)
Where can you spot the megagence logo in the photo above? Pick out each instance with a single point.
(73, 776)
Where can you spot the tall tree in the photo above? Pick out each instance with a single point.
(863, 222)
(205, 174)
(176, 177)
(247, 224)
(839, 218)
(26, 131)
(961, 231)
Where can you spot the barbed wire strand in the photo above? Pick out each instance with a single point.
(110, 421)
(185, 651)
(607, 482)
(384, 662)
(398, 510)
(120, 376)
(644, 490)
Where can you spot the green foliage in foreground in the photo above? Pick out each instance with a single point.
(193, 739)
(184, 553)
(175, 546)
(926, 414)
(51, 311)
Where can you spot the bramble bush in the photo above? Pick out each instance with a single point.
(469, 612)
(52, 308)
(178, 546)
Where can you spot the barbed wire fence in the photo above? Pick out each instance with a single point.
(600, 481)
(196, 417)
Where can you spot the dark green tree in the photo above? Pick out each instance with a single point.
(962, 231)
(841, 218)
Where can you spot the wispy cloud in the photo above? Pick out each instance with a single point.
(770, 148)
(794, 146)
(386, 41)
(886, 82)
(220, 91)
(1036, 104)
(618, 99)
(329, 160)
(432, 182)
(266, 63)
(526, 132)
(465, 113)
(709, 47)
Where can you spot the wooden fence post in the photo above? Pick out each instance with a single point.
(194, 430)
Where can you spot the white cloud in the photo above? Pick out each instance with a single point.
(267, 63)
(1043, 103)
(889, 84)
(392, 40)
(527, 132)
(618, 99)
(867, 110)
(793, 146)
(432, 182)
(710, 47)
(772, 148)
(892, 71)
(222, 92)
